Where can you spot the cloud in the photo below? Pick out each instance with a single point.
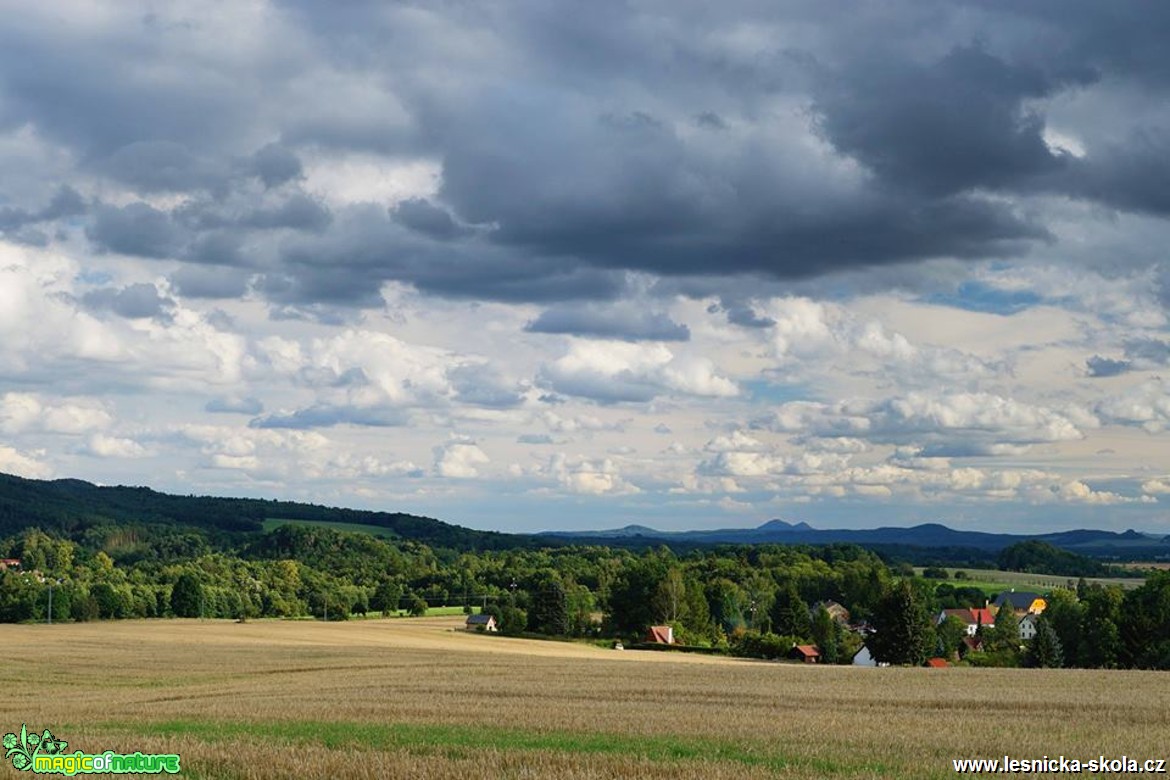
(628, 321)
(134, 301)
(1098, 366)
(104, 446)
(459, 460)
(614, 372)
(976, 422)
(22, 464)
(1146, 405)
(583, 476)
(66, 202)
(251, 406)
(136, 229)
(326, 416)
(21, 412)
(194, 281)
(422, 216)
(275, 165)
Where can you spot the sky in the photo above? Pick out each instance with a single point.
(534, 265)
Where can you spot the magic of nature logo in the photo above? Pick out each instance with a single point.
(45, 753)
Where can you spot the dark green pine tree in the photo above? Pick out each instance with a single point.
(549, 613)
(1044, 650)
(790, 613)
(902, 630)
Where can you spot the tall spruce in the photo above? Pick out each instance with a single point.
(1044, 649)
(902, 630)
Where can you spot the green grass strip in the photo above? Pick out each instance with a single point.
(456, 740)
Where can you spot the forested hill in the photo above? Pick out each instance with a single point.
(75, 508)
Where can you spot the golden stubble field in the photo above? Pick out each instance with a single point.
(420, 699)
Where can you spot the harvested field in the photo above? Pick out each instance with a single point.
(418, 698)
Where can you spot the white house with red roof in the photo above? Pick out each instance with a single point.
(972, 618)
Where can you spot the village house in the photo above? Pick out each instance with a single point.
(972, 618)
(1021, 602)
(9, 563)
(1028, 626)
(835, 610)
(482, 623)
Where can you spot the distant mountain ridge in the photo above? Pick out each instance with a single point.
(1085, 541)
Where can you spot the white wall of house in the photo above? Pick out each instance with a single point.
(863, 657)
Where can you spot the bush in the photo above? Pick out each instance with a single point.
(513, 621)
(753, 644)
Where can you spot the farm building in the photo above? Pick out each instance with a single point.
(481, 623)
(806, 653)
(659, 635)
(937, 663)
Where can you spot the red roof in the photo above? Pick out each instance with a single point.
(660, 634)
(937, 663)
(983, 615)
(808, 651)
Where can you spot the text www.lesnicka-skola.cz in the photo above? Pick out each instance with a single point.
(1061, 764)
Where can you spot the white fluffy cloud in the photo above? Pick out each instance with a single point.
(21, 412)
(615, 371)
(460, 459)
(24, 464)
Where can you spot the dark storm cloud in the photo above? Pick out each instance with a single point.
(298, 212)
(423, 216)
(194, 281)
(163, 166)
(133, 302)
(741, 314)
(763, 141)
(942, 127)
(628, 322)
(136, 229)
(66, 202)
(274, 165)
(366, 247)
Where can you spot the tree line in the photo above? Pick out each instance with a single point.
(749, 600)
